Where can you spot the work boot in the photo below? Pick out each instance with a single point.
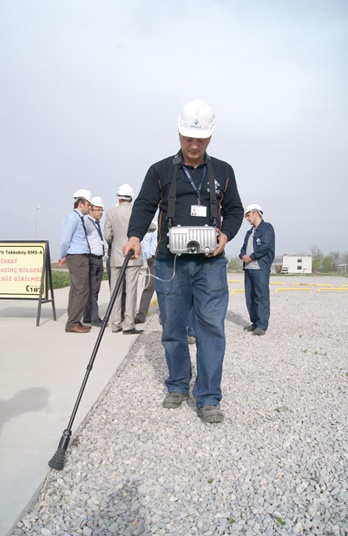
(249, 328)
(174, 400)
(210, 414)
(258, 331)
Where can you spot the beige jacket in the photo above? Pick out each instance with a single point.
(115, 232)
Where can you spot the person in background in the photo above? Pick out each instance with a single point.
(96, 265)
(257, 254)
(148, 247)
(74, 251)
(205, 194)
(115, 232)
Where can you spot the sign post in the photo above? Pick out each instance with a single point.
(25, 273)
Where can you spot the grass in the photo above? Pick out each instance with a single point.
(280, 521)
(61, 278)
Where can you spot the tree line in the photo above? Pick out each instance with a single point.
(321, 263)
(327, 263)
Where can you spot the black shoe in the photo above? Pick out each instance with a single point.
(86, 320)
(133, 331)
(137, 321)
(249, 328)
(97, 323)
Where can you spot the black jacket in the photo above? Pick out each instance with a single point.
(154, 194)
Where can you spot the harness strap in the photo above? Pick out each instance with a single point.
(172, 193)
(213, 200)
(172, 196)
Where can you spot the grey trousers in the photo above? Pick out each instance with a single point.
(78, 266)
(96, 272)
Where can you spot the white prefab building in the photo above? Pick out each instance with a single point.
(293, 264)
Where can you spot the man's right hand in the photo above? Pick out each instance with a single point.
(134, 244)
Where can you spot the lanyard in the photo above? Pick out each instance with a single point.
(193, 184)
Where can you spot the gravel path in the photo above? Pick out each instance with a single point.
(277, 465)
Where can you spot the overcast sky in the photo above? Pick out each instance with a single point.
(90, 92)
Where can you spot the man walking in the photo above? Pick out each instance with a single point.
(96, 266)
(257, 254)
(191, 189)
(75, 250)
(115, 231)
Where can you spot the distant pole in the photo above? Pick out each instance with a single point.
(37, 208)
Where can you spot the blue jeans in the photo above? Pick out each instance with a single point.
(190, 325)
(199, 283)
(256, 283)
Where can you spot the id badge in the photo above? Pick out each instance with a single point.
(199, 210)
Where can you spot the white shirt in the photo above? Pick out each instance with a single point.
(149, 245)
(95, 242)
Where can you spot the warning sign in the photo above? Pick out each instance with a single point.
(25, 273)
(21, 269)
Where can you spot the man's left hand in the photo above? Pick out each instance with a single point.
(222, 241)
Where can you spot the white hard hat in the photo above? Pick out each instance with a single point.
(197, 120)
(86, 194)
(97, 202)
(254, 206)
(125, 191)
